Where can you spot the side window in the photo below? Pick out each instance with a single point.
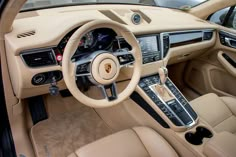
(225, 17)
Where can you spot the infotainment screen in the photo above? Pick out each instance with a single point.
(148, 44)
(150, 48)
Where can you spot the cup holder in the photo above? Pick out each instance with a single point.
(197, 137)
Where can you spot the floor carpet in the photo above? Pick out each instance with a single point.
(62, 134)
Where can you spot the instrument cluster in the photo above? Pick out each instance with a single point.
(98, 39)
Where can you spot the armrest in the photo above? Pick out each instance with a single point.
(221, 145)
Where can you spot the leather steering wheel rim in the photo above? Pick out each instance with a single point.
(69, 67)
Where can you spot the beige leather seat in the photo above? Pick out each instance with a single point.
(219, 112)
(136, 142)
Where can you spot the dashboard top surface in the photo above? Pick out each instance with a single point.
(48, 33)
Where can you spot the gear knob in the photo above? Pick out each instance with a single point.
(163, 73)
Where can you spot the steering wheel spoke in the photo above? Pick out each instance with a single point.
(82, 68)
(109, 91)
(125, 57)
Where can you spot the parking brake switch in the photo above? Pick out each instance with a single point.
(54, 89)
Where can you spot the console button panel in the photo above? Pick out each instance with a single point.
(181, 98)
(177, 110)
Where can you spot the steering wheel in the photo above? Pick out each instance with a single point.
(101, 67)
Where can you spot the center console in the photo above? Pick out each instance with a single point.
(169, 100)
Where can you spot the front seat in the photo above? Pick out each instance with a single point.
(135, 142)
(218, 112)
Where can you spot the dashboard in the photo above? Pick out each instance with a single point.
(35, 47)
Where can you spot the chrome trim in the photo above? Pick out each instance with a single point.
(228, 41)
(193, 30)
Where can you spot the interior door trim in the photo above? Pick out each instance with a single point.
(226, 64)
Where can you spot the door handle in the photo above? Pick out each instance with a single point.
(230, 42)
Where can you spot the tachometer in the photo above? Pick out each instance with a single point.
(87, 42)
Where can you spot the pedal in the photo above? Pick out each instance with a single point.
(37, 109)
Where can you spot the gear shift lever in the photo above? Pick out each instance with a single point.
(163, 73)
(160, 88)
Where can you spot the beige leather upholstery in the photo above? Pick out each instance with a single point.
(221, 145)
(219, 112)
(136, 142)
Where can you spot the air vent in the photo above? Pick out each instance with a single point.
(207, 35)
(39, 58)
(26, 34)
(166, 44)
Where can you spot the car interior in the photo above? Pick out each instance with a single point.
(111, 78)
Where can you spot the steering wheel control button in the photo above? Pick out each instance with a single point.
(124, 59)
(82, 68)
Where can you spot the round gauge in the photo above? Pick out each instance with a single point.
(104, 38)
(87, 41)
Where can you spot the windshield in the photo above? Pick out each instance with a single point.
(178, 4)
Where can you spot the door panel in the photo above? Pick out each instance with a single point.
(215, 71)
(228, 61)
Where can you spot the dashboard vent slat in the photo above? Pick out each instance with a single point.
(26, 34)
(39, 58)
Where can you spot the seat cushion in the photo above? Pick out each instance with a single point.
(136, 142)
(221, 145)
(219, 112)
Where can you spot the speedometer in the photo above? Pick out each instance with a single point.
(104, 38)
(87, 42)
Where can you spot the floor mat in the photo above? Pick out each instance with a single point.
(62, 134)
